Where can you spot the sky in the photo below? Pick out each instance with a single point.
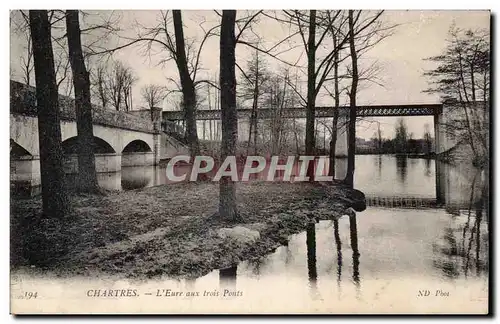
(400, 57)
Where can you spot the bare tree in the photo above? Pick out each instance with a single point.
(54, 198)
(351, 133)
(81, 81)
(379, 139)
(336, 97)
(427, 139)
(227, 195)
(311, 88)
(27, 63)
(129, 81)
(462, 76)
(94, 34)
(153, 94)
(252, 85)
(187, 83)
(100, 85)
(118, 82)
(20, 25)
(185, 56)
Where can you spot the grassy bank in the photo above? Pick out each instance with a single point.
(166, 230)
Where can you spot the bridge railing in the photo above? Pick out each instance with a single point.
(175, 130)
(23, 102)
(402, 202)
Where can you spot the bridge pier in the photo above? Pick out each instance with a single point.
(104, 162)
(341, 146)
(130, 159)
(437, 133)
(25, 175)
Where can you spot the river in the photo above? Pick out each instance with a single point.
(381, 255)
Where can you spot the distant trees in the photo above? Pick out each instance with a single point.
(377, 139)
(112, 85)
(427, 138)
(168, 34)
(255, 78)
(20, 26)
(153, 94)
(119, 85)
(401, 137)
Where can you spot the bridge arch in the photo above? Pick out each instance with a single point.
(137, 146)
(106, 159)
(137, 153)
(70, 146)
(17, 150)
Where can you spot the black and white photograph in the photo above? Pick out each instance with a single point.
(320, 161)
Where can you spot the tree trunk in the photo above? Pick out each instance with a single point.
(227, 200)
(473, 83)
(54, 198)
(311, 91)
(351, 151)
(87, 178)
(333, 141)
(253, 116)
(187, 84)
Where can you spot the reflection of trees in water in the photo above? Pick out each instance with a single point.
(449, 266)
(378, 162)
(135, 183)
(227, 277)
(355, 252)
(254, 265)
(137, 177)
(475, 231)
(311, 258)
(338, 245)
(353, 232)
(427, 170)
(402, 168)
(472, 249)
(190, 284)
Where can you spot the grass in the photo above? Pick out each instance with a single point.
(164, 230)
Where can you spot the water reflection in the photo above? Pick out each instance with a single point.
(137, 177)
(353, 230)
(311, 258)
(463, 248)
(432, 245)
(427, 171)
(401, 168)
(227, 277)
(379, 166)
(338, 245)
(376, 176)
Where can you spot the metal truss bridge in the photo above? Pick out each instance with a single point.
(321, 112)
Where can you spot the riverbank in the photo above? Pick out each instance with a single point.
(167, 230)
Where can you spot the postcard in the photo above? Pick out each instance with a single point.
(249, 162)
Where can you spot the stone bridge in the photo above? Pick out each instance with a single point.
(120, 139)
